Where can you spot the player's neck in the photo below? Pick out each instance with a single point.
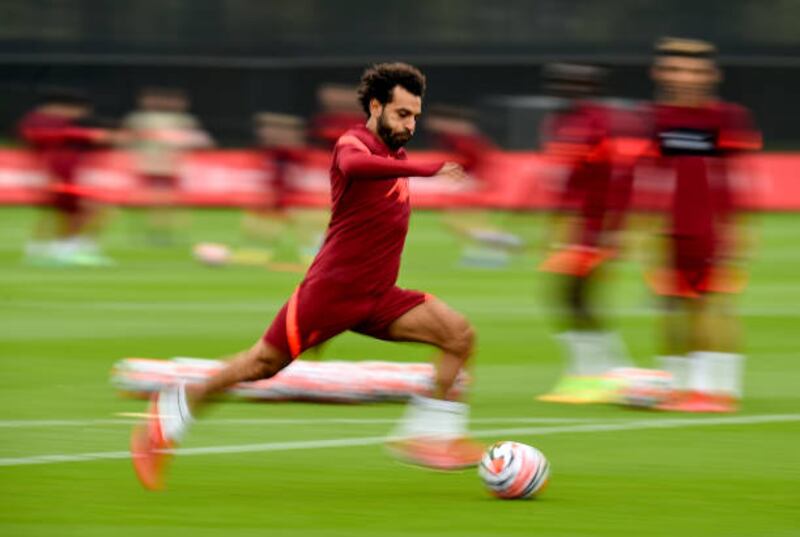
(687, 101)
(372, 126)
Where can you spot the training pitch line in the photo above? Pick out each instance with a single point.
(666, 423)
(475, 306)
(22, 424)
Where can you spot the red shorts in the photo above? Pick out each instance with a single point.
(695, 271)
(319, 310)
(64, 198)
(65, 202)
(692, 283)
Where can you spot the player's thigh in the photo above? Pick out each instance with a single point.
(435, 323)
(315, 313)
(386, 308)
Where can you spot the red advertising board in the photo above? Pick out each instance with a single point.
(509, 180)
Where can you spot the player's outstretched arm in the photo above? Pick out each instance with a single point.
(357, 164)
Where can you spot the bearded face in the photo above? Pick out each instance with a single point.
(394, 136)
(395, 121)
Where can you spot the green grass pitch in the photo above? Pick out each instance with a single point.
(615, 472)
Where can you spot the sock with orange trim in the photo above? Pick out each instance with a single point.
(426, 417)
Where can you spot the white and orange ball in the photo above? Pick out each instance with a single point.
(642, 388)
(511, 470)
(212, 253)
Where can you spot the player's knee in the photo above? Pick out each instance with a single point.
(460, 338)
(468, 336)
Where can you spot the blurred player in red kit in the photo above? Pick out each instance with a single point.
(697, 140)
(281, 143)
(584, 142)
(338, 112)
(351, 285)
(455, 130)
(61, 132)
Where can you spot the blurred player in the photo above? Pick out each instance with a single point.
(159, 132)
(352, 286)
(454, 130)
(697, 138)
(338, 112)
(61, 131)
(282, 143)
(582, 142)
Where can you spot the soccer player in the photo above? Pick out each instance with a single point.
(159, 132)
(339, 110)
(486, 245)
(62, 132)
(281, 142)
(697, 139)
(582, 139)
(351, 285)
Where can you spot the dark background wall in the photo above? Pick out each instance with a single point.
(236, 57)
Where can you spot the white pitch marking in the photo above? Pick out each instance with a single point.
(263, 421)
(375, 440)
(476, 306)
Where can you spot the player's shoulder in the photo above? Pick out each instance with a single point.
(35, 118)
(577, 115)
(730, 107)
(738, 130)
(596, 110)
(591, 107)
(732, 112)
(356, 137)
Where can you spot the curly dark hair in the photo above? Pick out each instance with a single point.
(687, 48)
(380, 79)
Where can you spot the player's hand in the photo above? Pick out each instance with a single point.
(452, 171)
(121, 137)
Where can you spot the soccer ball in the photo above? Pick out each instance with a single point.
(212, 253)
(642, 388)
(511, 470)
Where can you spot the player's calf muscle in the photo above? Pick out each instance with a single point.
(258, 362)
(266, 360)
